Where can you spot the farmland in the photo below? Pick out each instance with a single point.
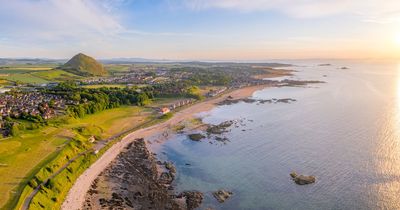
(39, 74)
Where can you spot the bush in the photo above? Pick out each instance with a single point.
(166, 116)
(50, 184)
(33, 183)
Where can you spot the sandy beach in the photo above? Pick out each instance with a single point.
(76, 195)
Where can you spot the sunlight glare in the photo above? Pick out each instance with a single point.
(397, 39)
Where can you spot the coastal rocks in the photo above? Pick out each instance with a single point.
(170, 167)
(296, 83)
(167, 177)
(132, 182)
(196, 136)
(221, 195)
(302, 179)
(221, 139)
(285, 100)
(293, 175)
(193, 199)
(259, 101)
(230, 101)
(220, 128)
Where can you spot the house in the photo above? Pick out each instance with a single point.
(164, 110)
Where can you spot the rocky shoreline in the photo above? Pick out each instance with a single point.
(136, 180)
(229, 101)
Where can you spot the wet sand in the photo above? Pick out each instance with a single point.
(76, 196)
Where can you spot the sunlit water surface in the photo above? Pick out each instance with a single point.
(346, 132)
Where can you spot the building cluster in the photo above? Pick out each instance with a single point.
(17, 104)
(180, 103)
(130, 78)
(216, 92)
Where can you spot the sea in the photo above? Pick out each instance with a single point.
(345, 132)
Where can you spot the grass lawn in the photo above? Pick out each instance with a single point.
(114, 121)
(21, 157)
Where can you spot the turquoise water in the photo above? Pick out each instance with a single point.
(345, 132)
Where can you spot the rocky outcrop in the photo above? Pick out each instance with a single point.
(302, 179)
(221, 195)
(132, 182)
(196, 136)
(259, 101)
(220, 128)
(193, 199)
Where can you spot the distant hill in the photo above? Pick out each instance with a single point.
(84, 65)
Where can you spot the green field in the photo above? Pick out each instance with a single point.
(117, 68)
(56, 75)
(35, 74)
(22, 157)
(24, 78)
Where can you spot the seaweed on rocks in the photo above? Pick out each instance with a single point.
(132, 182)
(196, 136)
(193, 198)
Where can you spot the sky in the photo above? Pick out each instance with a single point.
(201, 29)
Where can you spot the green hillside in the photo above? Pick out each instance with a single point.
(84, 65)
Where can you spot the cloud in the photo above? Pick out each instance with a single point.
(54, 20)
(373, 10)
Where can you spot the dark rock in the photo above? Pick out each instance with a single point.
(302, 179)
(166, 178)
(196, 136)
(222, 195)
(193, 199)
(220, 128)
(170, 167)
(135, 182)
(285, 100)
(293, 175)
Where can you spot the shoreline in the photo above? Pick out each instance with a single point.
(76, 195)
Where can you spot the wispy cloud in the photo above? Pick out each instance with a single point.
(372, 10)
(52, 19)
